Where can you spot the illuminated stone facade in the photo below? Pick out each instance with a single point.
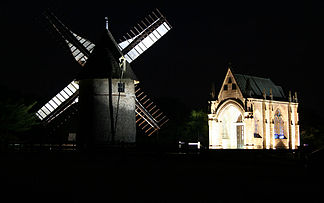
(252, 113)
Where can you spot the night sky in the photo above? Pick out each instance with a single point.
(283, 42)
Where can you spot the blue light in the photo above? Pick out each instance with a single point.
(279, 136)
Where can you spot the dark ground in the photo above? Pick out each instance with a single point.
(157, 176)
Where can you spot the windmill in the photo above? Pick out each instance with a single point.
(149, 117)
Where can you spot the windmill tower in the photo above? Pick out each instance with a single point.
(111, 101)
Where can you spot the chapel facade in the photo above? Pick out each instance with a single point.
(252, 113)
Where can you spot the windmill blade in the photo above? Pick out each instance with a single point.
(148, 116)
(80, 49)
(80, 56)
(79, 46)
(145, 35)
(59, 102)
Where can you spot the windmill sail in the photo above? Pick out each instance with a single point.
(80, 56)
(148, 32)
(79, 46)
(148, 117)
(80, 49)
(59, 102)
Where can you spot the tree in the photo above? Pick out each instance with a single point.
(173, 131)
(313, 136)
(311, 128)
(185, 125)
(15, 118)
(197, 127)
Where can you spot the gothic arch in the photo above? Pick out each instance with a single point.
(230, 116)
(279, 128)
(225, 105)
(258, 127)
(280, 110)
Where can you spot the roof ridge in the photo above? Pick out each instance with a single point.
(245, 75)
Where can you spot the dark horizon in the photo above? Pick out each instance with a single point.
(277, 41)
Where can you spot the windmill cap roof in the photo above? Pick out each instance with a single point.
(103, 62)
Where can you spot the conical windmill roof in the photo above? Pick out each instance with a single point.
(103, 62)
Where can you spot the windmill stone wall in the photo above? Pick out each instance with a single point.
(95, 121)
(125, 124)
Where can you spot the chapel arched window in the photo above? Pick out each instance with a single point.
(278, 126)
(256, 127)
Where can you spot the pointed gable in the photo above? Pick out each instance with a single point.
(230, 88)
(241, 86)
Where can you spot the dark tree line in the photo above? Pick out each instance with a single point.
(311, 128)
(186, 124)
(16, 117)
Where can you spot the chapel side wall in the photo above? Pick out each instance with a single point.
(297, 140)
(284, 110)
(215, 139)
(257, 111)
(295, 126)
(265, 111)
(267, 114)
(248, 133)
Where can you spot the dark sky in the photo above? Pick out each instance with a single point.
(281, 41)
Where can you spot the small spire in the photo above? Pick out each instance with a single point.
(106, 19)
(248, 88)
(271, 96)
(264, 94)
(213, 92)
(296, 99)
(229, 65)
(289, 96)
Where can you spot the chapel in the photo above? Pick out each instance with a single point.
(252, 113)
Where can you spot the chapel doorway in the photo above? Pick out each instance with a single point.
(240, 136)
(232, 131)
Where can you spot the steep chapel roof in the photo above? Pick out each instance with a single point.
(252, 86)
